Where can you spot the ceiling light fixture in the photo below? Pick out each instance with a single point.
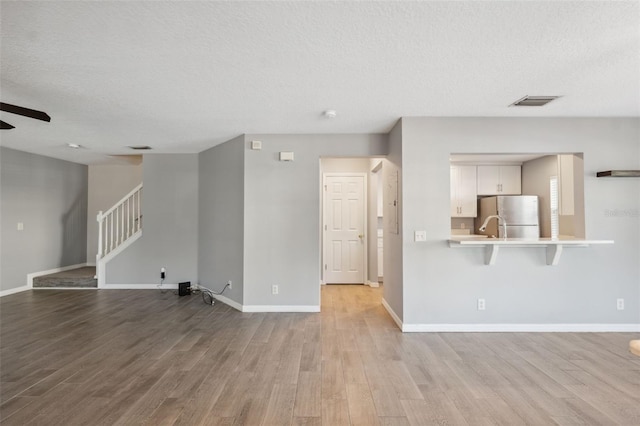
(330, 113)
(74, 146)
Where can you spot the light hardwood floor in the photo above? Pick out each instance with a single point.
(146, 357)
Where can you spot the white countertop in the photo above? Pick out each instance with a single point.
(554, 245)
(483, 241)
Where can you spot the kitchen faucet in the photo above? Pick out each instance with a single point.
(500, 218)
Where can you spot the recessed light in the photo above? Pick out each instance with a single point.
(330, 113)
(74, 146)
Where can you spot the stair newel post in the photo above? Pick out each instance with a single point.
(99, 219)
(138, 212)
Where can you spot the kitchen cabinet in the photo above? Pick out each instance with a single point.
(464, 195)
(499, 180)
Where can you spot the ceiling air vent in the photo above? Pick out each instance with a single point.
(140, 147)
(534, 100)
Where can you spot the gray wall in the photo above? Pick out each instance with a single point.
(170, 224)
(50, 197)
(441, 284)
(108, 183)
(221, 217)
(282, 213)
(535, 181)
(393, 244)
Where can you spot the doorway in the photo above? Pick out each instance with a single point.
(344, 228)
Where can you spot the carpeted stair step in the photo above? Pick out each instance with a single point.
(77, 278)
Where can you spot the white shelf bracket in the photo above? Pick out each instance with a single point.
(553, 254)
(491, 254)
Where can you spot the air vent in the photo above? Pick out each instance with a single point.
(534, 100)
(140, 147)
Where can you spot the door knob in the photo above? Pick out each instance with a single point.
(360, 235)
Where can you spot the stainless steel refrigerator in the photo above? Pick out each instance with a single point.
(520, 212)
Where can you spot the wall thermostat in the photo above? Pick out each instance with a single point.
(286, 156)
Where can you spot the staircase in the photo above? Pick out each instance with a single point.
(118, 228)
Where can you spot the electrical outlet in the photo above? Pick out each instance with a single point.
(20, 226)
(620, 304)
(274, 289)
(230, 284)
(162, 273)
(481, 305)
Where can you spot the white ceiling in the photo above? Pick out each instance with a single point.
(184, 76)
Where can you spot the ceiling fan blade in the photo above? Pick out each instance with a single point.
(6, 126)
(27, 112)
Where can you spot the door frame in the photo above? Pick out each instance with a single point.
(365, 253)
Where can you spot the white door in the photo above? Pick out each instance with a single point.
(344, 226)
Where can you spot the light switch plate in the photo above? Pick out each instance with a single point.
(420, 236)
(256, 145)
(20, 226)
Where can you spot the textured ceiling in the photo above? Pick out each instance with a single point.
(184, 76)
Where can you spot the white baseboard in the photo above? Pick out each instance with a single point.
(139, 287)
(280, 308)
(32, 275)
(391, 312)
(373, 284)
(14, 290)
(520, 328)
(64, 288)
(227, 301)
(93, 264)
(510, 328)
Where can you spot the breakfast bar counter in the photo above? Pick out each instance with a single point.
(492, 245)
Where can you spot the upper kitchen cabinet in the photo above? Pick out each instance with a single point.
(499, 180)
(464, 201)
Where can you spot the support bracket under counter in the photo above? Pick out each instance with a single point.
(554, 246)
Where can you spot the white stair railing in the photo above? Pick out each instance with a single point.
(119, 223)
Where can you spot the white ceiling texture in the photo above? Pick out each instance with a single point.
(185, 76)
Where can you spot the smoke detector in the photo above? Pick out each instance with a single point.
(140, 147)
(534, 100)
(330, 113)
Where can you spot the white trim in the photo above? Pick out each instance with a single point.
(122, 200)
(520, 328)
(14, 290)
(32, 275)
(64, 288)
(101, 269)
(373, 284)
(392, 313)
(139, 287)
(281, 308)
(93, 264)
(227, 301)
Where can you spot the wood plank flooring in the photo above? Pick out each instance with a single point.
(146, 357)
